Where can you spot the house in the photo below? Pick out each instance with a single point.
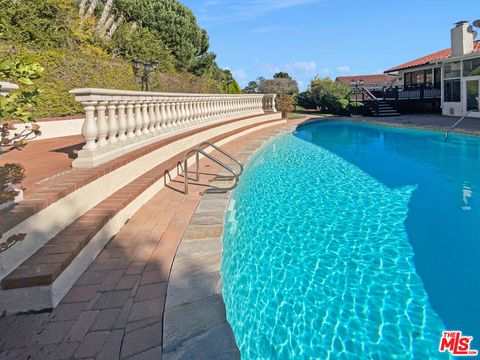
(375, 81)
(446, 81)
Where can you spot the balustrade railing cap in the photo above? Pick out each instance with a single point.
(100, 94)
(7, 87)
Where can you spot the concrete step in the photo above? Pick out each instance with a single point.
(45, 275)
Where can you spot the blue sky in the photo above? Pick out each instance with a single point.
(326, 37)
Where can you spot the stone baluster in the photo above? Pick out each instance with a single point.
(90, 129)
(228, 108)
(221, 102)
(138, 119)
(122, 121)
(198, 117)
(212, 115)
(130, 119)
(203, 108)
(102, 123)
(209, 109)
(163, 115)
(217, 108)
(178, 113)
(238, 110)
(112, 122)
(191, 110)
(152, 117)
(158, 116)
(230, 103)
(196, 111)
(169, 112)
(239, 107)
(145, 117)
(193, 113)
(183, 111)
(186, 105)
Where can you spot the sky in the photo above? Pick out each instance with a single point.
(306, 38)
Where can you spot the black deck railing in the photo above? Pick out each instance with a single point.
(399, 93)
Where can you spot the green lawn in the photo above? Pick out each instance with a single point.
(296, 116)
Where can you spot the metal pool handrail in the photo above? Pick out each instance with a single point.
(197, 151)
(219, 149)
(455, 125)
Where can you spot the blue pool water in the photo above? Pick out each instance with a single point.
(351, 241)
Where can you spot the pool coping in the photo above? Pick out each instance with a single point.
(371, 121)
(195, 321)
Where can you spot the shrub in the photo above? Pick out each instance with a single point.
(285, 104)
(66, 70)
(327, 96)
(183, 82)
(305, 100)
(232, 88)
(41, 23)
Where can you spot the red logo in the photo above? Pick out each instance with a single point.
(457, 344)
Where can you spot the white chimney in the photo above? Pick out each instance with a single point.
(462, 39)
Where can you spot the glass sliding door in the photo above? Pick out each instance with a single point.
(473, 90)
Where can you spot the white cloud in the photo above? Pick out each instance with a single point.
(304, 67)
(222, 11)
(343, 69)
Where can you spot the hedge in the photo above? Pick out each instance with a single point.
(91, 67)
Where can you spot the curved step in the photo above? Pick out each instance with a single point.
(42, 280)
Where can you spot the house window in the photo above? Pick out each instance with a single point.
(437, 78)
(419, 78)
(453, 70)
(471, 67)
(408, 79)
(452, 90)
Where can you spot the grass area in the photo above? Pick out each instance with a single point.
(296, 116)
(292, 116)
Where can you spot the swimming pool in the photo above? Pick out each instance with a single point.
(354, 241)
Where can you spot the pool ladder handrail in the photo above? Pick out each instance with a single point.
(456, 123)
(199, 150)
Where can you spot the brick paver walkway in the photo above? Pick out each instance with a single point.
(115, 310)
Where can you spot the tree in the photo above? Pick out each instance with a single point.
(282, 75)
(203, 65)
(174, 23)
(251, 88)
(278, 86)
(141, 44)
(326, 95)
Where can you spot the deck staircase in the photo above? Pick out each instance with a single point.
(380, 108)
(377, 107)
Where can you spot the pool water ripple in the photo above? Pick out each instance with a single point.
(317, 261)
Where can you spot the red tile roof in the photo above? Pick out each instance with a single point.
(372, 80)
(439, 55)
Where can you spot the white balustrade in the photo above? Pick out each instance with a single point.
(118, 121)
